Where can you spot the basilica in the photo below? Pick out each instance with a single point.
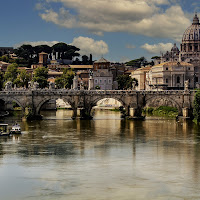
(173, 68)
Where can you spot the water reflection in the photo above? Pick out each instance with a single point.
(105, 158)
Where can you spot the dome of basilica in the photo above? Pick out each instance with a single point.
(193, 32)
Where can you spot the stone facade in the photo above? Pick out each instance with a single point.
(104, 79)
(102, 74)
(170, 75)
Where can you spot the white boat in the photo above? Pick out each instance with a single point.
(4, 130)
(16, 129)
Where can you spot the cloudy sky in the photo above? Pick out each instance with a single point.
(120, 30)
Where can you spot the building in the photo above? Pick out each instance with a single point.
(42, 61)
(141, 74)
(171, 56)
(3, 66)
(170, 75)
(165, 76)
(102, 74)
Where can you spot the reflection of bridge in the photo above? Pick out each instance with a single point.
(133, 101)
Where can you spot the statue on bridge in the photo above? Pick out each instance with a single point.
(75, 82)
(30, 84)
(35, 85)
(8, 85)
(133, 85)
(52, 86)
(186, 85)
(81, 85)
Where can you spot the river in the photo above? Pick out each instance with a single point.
(102, 159)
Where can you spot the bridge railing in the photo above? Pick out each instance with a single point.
(92, 92)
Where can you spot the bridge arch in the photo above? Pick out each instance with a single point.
(41, 103)
(94, 102)
(5, 101)
(158, 101)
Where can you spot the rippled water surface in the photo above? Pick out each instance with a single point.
(105, 158)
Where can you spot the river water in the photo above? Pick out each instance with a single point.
(105, 158)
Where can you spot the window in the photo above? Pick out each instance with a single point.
(96, 81)
(100, 81)
(178, 79)
(109, 81)
(196, 79)
(166, 80)
(166, 68)
(188, 68)
(105, 81)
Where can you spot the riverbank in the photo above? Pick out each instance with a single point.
(162, 111)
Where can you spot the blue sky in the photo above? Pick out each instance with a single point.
(120, 30)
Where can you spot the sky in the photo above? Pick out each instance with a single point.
(118, 30)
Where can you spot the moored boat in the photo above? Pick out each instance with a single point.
(16, 129)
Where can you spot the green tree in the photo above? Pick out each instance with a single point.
(41, 76)
(5, 58)
(60, 48)
(196, 110)
(85, 60)
(138, 62)
(66, 80)
(26, 51)
(11, 73)
(23, 78)
(125, 82)
(65, 51)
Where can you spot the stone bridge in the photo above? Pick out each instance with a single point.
(31, 101)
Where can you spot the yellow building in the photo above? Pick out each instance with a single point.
(140, 75)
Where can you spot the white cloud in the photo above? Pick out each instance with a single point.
(49, 43)
(145, 17)
(157, 48)
(130, 46)
(90, 46)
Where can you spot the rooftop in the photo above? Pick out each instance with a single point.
(102, 60)
(183, 64)
(81, 66)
